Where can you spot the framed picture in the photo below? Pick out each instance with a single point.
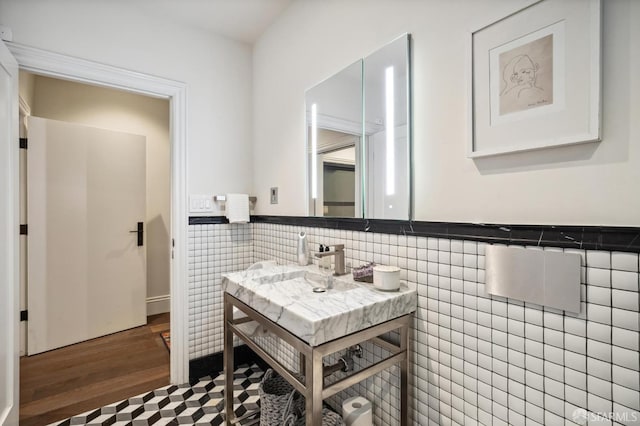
(534, 78)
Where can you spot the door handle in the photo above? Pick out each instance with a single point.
(140, 232)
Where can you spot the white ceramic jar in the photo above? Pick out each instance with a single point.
(386, 278)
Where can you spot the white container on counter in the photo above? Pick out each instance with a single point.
(303, 249)
(386, 278)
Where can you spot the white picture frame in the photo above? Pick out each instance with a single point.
(534, 78)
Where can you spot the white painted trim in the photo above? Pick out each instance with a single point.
(23, 338)
(80, 70)
(25, 113)
(326, 121)
(158, 304)
(9, 248)
(25, 109)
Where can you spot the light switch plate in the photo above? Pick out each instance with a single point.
(274, 195)
(200, 203)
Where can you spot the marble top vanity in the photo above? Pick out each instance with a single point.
(318, 315)
(285, 295)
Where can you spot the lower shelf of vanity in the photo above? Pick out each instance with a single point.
(311, 358)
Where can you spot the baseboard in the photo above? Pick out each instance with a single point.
(212, 365)
(158, 304)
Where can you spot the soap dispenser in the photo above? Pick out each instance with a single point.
(303, 249)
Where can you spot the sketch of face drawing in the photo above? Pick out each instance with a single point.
(519, 72)
(524, 71)
(527, 76)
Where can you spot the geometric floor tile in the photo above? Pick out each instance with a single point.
(197, 403)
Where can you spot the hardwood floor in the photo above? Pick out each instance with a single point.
(68, 381)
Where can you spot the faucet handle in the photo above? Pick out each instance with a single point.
(338, 247)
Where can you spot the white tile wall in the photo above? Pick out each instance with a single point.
(476, 359)
(213, 250)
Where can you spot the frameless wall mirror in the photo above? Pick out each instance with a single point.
(386, 132)
(334, 140)
(358, 138)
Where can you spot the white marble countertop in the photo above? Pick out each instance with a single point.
(286, 297)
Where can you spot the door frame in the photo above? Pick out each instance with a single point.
(56, 65)
(9, 247)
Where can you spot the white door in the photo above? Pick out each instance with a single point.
(86, 196)
(9, 351)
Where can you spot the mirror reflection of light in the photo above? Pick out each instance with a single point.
(314, 151)
(390, 124)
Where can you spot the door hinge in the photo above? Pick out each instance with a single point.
(23, 143)
(24, 316)
(24, 229)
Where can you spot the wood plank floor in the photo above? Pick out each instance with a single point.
(68, 381)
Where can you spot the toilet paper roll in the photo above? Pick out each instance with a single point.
(357, 411)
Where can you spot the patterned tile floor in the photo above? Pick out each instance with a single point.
(197, 403)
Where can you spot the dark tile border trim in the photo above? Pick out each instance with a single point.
(211, 365)
(207, 220)
(610, 238)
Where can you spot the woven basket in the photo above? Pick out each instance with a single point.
(278, 400)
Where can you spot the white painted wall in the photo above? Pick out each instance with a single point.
(595, 184)
(129, 113)
(217, 72)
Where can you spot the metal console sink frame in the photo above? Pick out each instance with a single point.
(280, 299)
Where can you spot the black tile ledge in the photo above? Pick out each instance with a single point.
(609, 238)
(207, 220)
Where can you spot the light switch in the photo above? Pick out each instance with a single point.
(200, 204)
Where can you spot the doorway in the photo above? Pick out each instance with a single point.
(94, 148)
(73, 69)
(339, 182)
(76, 142)
(339, 174)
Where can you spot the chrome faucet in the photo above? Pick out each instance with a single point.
(338, 252)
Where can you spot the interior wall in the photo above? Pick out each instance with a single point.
(130, 113)
(217, 72)
(590, 184)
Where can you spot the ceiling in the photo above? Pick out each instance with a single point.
(242, 20)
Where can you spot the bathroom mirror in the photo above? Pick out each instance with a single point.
(358, 138)
(334, 137)
(387, 143)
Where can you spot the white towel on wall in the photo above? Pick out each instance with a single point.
(237, 208)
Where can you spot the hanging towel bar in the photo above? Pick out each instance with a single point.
(224, 198)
